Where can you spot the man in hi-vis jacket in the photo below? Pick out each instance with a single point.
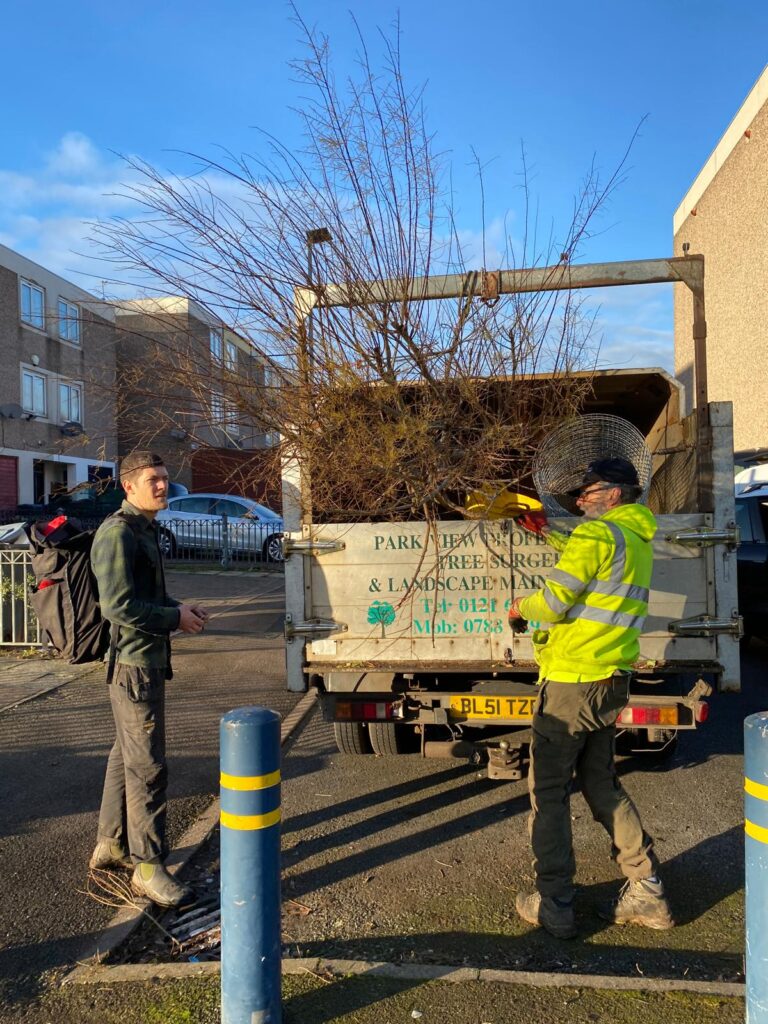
(595, 602)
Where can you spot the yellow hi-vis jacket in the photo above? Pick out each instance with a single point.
(596, 598)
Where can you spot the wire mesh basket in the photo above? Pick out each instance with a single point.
(564, 455)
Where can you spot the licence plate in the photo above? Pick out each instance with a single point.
(515, 709)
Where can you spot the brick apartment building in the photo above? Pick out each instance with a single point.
(724, 216)
(184, 380)
(87, 381)
(57, 423)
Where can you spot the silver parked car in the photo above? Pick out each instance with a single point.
(196, 522)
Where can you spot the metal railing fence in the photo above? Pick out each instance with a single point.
(231, 545)
(18, 623)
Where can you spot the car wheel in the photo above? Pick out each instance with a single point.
(167, 543)
(273, 548)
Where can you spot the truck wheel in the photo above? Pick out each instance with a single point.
(351, 738)
(390, 738)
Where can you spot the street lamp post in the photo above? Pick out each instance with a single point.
(314, 236)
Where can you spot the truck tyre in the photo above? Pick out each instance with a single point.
(390, 738)
(351, 738)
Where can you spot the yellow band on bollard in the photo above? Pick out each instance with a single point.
(756, 789)
(249, 782)
(756, 831)
(249, 822)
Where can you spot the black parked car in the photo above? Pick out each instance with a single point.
(752, 521)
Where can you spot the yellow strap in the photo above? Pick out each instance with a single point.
(756, 789)
(756, 831)
(249, 782)
(249, 822)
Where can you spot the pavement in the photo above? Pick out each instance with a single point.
(24, 676)
(53, 752)
(55, 733)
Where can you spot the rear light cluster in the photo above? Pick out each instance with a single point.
(362, 710)
(648, 716)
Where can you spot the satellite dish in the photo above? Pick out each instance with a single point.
(11, 411)
(71, 429)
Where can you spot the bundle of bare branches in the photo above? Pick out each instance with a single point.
(394, 404)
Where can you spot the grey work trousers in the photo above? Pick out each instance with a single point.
(574, 733)
(133, 805)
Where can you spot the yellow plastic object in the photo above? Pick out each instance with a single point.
(495, 504)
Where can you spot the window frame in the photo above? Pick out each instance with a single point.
(70, 322)
(215, 345)
(216, 408)
(35, 375)
(71, 385)
(230, 356)
(24, 283)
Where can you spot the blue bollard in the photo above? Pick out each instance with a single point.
(250, 867)
(756, 858)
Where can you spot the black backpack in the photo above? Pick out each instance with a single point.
(65, 596)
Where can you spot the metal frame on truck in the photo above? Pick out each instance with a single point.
(475, 696)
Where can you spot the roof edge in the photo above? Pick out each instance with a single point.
(745, 115)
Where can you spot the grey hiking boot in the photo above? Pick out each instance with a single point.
(153, 881)
(110, 853)
(641, 902)
(553, 914)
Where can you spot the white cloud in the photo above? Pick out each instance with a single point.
(75, 155)
(634, 326)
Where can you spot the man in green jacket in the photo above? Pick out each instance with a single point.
(595, 602)
(128, 567)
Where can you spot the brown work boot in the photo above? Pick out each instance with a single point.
(153, 881)
(641, 902)
(555, 915)
(109, 853)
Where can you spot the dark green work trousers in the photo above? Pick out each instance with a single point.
(574, 734)
(133, 805)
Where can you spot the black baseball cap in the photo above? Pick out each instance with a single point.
(609, 471)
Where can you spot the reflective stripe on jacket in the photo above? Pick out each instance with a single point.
(596, 597)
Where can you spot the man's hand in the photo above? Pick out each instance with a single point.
(190, 619)
(201, 612)
(516, 621)
(534, 522)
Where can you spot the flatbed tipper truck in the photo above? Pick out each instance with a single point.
(402, 626)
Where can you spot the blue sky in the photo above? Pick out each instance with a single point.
(86, 80)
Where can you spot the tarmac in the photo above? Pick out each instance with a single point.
(245, 629)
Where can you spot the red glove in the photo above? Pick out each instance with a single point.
(534, 522)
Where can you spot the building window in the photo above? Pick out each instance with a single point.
(232, 423)
(33, 392)
(230, 357)
(69, 322)
(32, 305)
(70, 403)
(215, 341)
(217, 408)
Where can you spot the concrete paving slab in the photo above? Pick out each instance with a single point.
(24, 680)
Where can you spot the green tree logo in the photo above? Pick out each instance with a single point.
(381, 612)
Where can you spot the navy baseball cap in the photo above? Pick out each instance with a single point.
(608, 471)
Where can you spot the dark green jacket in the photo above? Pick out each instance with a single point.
(129, 570)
